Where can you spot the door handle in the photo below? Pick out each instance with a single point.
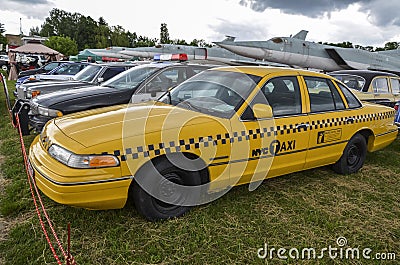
(349, 120)
(302, 125)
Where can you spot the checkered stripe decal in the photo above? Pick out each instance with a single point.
(183, 145)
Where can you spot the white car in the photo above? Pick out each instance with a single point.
(4, 60)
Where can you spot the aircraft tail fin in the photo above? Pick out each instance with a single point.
(302, 34)
(229, 38)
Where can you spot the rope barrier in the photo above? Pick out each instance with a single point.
(69, 259)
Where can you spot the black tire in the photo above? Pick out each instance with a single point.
(353, 156)
(154, 209)
(4, 67)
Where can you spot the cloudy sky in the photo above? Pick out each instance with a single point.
(366, 22)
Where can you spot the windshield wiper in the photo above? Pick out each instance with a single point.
(190, 105)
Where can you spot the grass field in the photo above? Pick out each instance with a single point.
(310, 209)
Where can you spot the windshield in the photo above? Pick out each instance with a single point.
(352, 81)
(131, 78)
(87, 74)
(68, 69)
(218, 93)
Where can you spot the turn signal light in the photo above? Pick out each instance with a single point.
(35, 93)
(103, 161)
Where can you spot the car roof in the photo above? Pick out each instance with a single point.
(266, 70)
(363, 73)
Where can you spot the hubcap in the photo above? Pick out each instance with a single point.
(168, 192)
(353, 155)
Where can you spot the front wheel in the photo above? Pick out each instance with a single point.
(155, 195)
(353, 156)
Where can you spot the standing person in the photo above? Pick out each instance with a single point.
(90, 59)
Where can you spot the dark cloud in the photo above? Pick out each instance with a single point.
(382, 13)
(38, 9)
(31, 2)
(245, 31)
(310, 8)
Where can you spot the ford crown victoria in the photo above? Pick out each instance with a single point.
(224, 127)
(372, 86)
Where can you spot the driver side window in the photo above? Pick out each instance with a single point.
(281, 93)
(163, 81)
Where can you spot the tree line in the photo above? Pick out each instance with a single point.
(70, 33)
(83, 32)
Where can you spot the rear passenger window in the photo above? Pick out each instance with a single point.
(111, 72)
(395, 85)
(352, 101)
(283, 95)
(380, 85)
(323, 95)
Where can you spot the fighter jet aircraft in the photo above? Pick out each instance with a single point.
(209, 54)
(296, 51)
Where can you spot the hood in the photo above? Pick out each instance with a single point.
(103, 125)
(47, 83)
(54, 98)
(55, 87)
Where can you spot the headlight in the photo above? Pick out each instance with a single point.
(70, 159)
(49, 112)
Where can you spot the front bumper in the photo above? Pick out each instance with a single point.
(37, 122)
(87, 188)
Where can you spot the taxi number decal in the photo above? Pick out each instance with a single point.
(329, 136)
(274, 148)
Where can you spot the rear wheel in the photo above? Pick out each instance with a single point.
(155, 195)
(353, 156)
(4, 67)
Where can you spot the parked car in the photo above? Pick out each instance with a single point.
(91, 75)
(138, 84)
(41, 70)
(4, 62)
(61, 73)
(224, 127)
(22, 79)
(373, 86)
(64, 72)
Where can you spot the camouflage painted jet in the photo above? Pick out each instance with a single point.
(208, 54)
(296, 51)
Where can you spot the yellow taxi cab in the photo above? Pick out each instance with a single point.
(372, 86)
(221, 128)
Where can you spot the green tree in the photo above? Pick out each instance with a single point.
(393, 45)
(344, 44)
(164, 35)
(34, 31)
(60, 23)
(64, 45)
(200, 43)
(85, 30)
(103, 34)
(3, 39)
(119, 37)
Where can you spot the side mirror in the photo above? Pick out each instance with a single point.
(100, 80)
(262, 111)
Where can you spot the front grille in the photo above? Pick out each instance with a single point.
(34, 110)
